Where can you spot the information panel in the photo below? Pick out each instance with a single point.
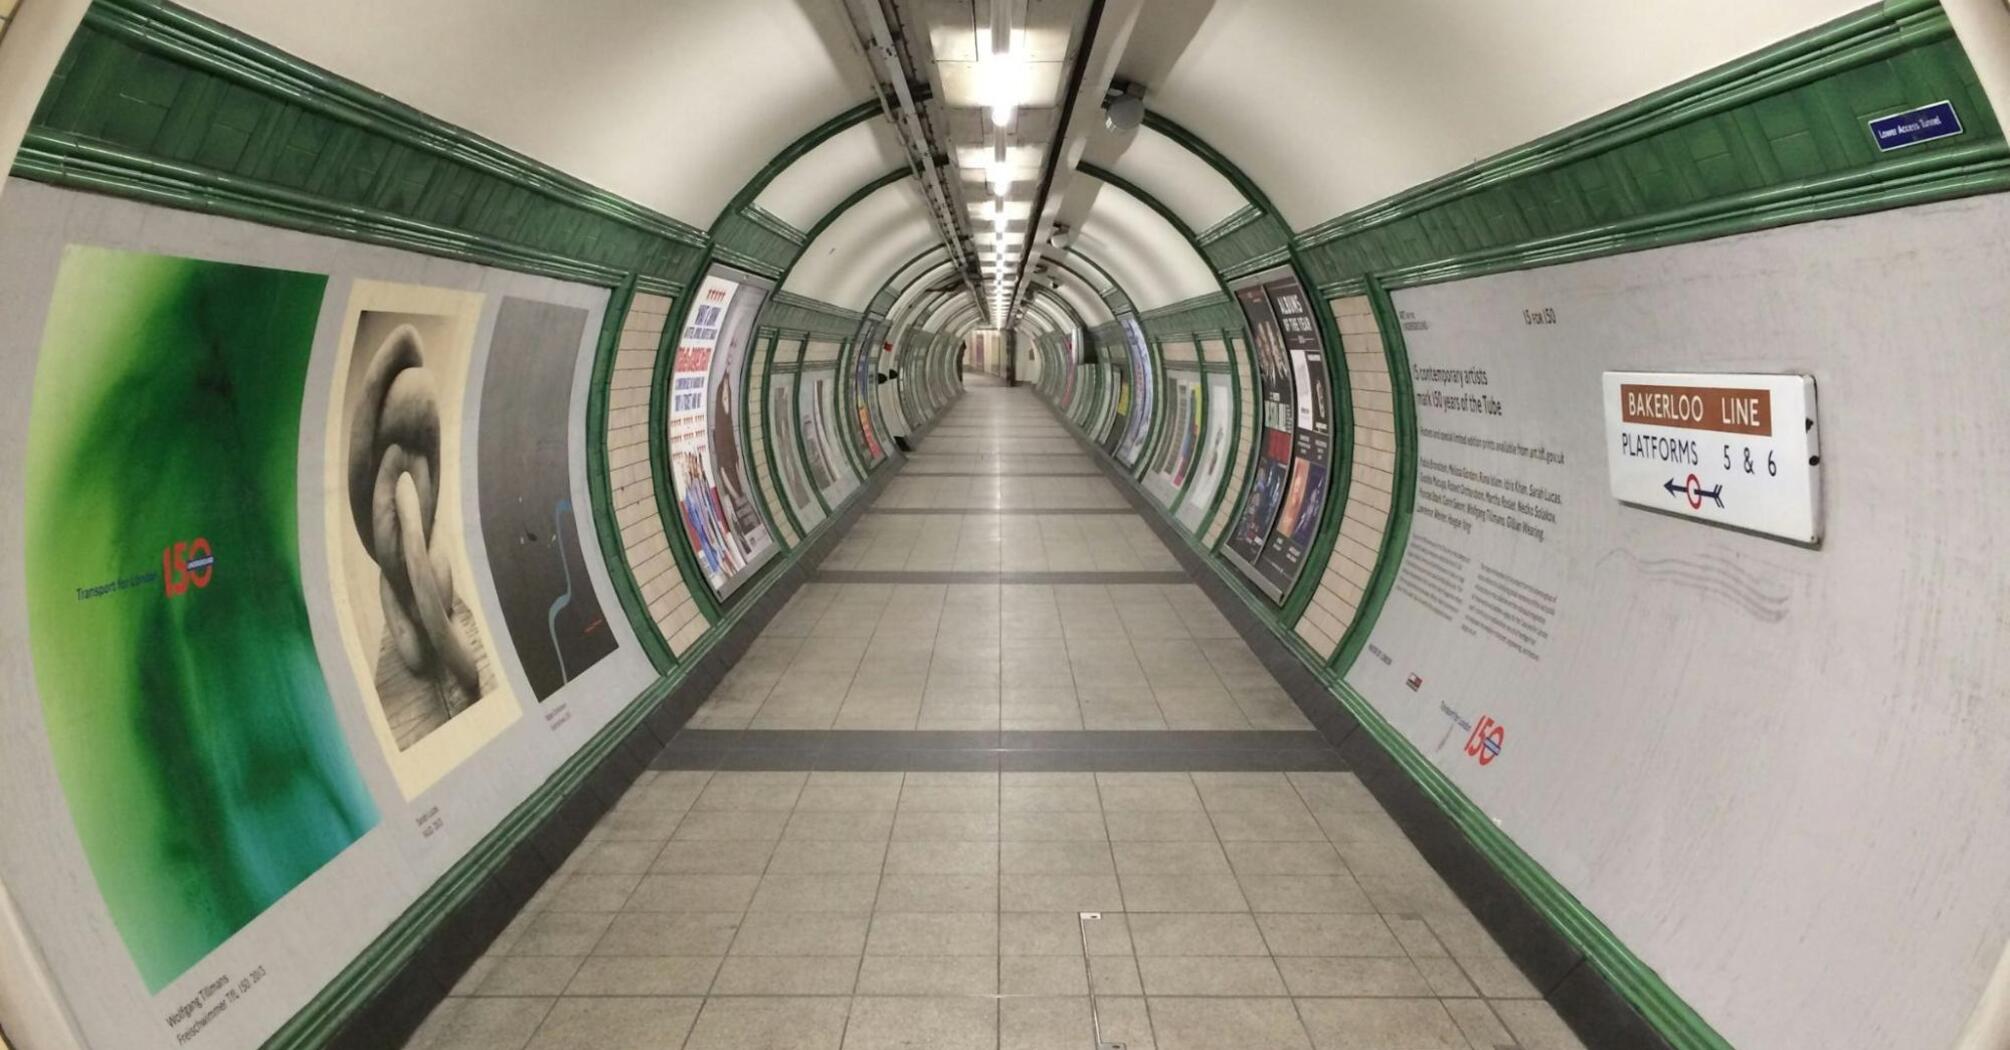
(1286, 496)
(714, 497)
(1732, 449)
(1138, 429)
(863, 388)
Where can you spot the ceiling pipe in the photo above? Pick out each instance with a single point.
(905, 114)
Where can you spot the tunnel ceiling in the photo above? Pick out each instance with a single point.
(674, 105)
(1323, 107)
(851, 258)
(1333, 106)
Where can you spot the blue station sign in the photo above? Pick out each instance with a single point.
(1915, 126)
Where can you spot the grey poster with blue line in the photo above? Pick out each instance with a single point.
(528, 521)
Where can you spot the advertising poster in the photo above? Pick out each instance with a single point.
(1214, 452)
(402, 581)
(782, 435)
(528, 523)
(1312, 443)
(714, 496)
(817, 401)
(1279, 416)
(1138, 429)
(187, 714)
(1119, 419)
(1171, 466)
(862, 388)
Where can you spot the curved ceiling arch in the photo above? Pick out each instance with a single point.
(933, 320)
(1178, 178)
(1427, 86)
(1081, 296)
(871, 236)
(936, 280)
(908, 272)
(807, 187)
(643, 96)
(1150, 256)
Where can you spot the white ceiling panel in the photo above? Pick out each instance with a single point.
(674, 104)
(1153, 262)
(855, 254)
(1332, 106)
(820, 179)
(1181, 181)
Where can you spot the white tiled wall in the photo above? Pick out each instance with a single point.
(1370, 489)
(632, 483)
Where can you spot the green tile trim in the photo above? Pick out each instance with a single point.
(775, 223)
(790, 312)
(1776, 137)
(599, 489)
(1402, 510)
(1235, 220)
(153, 102)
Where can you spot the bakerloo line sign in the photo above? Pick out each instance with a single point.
(1734, 449)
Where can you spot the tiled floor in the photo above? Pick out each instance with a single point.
(1071, 910)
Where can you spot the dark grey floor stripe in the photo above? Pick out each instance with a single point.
(1121, 512)
(1004, 474)
(1075, 751)
(896, 576)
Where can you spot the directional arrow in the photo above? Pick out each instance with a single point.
(1695, 493)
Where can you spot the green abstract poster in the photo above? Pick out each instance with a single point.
(189, 721)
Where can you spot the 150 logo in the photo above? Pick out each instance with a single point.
(186, 564)
(1485, 742)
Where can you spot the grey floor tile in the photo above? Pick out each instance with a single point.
(561, 933)
(1043, 975)
(1055, 858)
(840, 825)
(1482, 1029)
(779, 1023)
(1329, 934)
(1196, 933)
(1304, 893)
(928, 857)
(1238, 975)
(1171, 858)
(791, 933)
(1377, 1024)
(936, 1023)
(731, 825)
(713, 858)
(1274, 825)
(616, 1024)
(1125, 1020)
(1285, 858)
(829, 856)
(653, 975)
(1309, 976)
(1114, 975)
(954, 893)
(928, 975)
(911, 826)
(694, 893)
(1040, 933)
(1190, 825)
(528, 975)
(1212, 1024)
(1498, 978)
(934, 933)
(815, 893)
(481, 1024)
(1063, 893)
(1535, 1025)
(1048, 1023)
(670, 933)
(1052, 827)
(761, 975)
(1182, 893)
